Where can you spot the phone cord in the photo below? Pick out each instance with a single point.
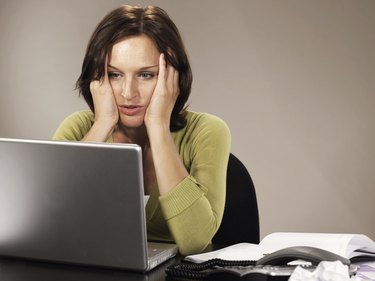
(195, 271)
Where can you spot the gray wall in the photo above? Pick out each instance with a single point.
(294, 80)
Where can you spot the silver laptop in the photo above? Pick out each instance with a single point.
(75, 202)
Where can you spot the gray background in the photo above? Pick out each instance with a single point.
(294, 80)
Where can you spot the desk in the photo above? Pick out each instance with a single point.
(25, 270)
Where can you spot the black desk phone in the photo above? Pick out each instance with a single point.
(271, 267)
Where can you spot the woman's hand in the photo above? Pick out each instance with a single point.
(105, 107)
(106, 111)
(169, 168)
(164, 97)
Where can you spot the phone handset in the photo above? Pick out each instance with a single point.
(273, 265)
(309, 254)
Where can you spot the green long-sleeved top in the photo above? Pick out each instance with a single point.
(191, 212)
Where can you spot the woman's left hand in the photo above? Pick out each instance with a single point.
(166, 91)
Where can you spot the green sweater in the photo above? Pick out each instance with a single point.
(190, 214)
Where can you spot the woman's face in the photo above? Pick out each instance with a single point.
(133, 72)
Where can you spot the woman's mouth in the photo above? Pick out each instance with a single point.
(130, 110)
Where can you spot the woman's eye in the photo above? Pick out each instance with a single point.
(114, 75)
(146, 75)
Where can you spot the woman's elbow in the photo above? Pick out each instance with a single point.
(193, 247)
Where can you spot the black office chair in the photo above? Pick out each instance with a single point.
(241, 218)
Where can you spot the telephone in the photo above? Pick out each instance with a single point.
(271, 267)
(309, 254)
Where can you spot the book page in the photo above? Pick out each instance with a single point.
(361, 244)
(336, 243)
(241, 251)
(344, 245)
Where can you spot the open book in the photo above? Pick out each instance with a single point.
(351, 246)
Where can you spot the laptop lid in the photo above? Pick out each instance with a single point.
(73, 202)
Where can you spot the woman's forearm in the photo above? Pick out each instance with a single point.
(169, 167)
(99, 132)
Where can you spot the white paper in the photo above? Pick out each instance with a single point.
(366, 270)
(326, 271)
(145, 198)
(241, 251)
(340, 244)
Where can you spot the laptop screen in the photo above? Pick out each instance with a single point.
(73, 202)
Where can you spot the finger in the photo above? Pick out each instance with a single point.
(170, 75)
(94, 85)
(162, 68)
(172, 79)
(176, 86)
(105, 80)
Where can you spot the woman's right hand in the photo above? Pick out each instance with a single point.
(106, 111)
(105, 107)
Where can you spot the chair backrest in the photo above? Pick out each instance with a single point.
(241, 218)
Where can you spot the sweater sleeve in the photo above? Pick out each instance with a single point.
(194, 208)
(75, 126)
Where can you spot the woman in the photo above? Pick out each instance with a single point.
(136, 79)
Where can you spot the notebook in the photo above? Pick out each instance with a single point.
(75, 202)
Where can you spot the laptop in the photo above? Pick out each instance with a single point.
(75, 202)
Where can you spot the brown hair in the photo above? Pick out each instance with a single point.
(128, 21)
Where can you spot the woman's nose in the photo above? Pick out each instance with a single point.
(129, 89)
